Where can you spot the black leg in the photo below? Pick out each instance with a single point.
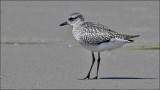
(98, 63)
(93, 60)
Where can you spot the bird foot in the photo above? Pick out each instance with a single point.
(95, 77)
(87, 77)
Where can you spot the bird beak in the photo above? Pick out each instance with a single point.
(65, 23)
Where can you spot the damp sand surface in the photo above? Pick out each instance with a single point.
(38, 54)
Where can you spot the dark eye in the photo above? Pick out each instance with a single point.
(71, 19)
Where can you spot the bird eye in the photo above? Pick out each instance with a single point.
(71, 19)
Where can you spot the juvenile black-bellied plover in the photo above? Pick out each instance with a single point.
(95, 37)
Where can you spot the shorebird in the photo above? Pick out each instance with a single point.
(95, 37)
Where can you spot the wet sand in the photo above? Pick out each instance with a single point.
(38, 54)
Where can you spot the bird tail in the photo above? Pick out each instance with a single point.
(126, 38)
(131, 36)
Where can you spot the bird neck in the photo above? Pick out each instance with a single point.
(78, 23)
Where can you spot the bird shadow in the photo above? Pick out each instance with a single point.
(124, 78)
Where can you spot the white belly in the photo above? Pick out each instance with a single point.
(104, 46)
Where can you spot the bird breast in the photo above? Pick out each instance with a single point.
(77, 33)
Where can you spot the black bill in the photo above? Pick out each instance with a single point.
(65, 23)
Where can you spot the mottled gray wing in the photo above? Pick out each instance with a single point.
(95, 33)
(94, 38)
(91, 27)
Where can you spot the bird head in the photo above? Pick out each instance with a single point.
(74, 19)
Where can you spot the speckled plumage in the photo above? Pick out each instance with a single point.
(91, 35)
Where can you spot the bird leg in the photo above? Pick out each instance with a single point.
(93, 60)
(98, 63)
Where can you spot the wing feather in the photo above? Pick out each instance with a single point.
(95, 33)
(94, 38)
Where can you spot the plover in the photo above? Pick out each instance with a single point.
(95, 37)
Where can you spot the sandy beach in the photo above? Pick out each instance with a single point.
(38, 54)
